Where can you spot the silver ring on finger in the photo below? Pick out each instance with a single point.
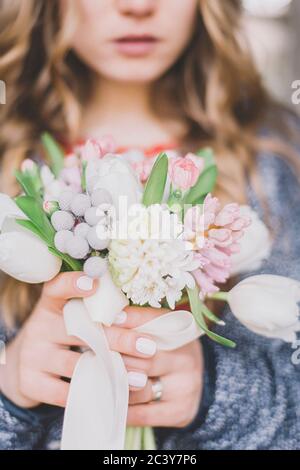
(157, 390)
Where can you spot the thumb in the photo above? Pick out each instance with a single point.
(67, 286)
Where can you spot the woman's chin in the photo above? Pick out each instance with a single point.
(133, 71)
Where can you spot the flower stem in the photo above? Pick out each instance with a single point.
(220, 296)
(138, 438)
(148, 439)
(128, 438)
(134, 438)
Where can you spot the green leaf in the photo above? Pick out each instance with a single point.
(65, 268)
(156, 183)
(39, 224)
(55, 153)
(35, 213)
(206, 181)
(205, 184)
(83, 176)
(30, 183)
(197, 311)
(71, 263)
(31, 227)
(223, 296)
(210, 315)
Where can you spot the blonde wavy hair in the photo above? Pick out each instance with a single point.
(219, 96)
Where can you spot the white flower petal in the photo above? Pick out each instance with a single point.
(255, 245)
(267, 305)
(26, 258)
(8, 208)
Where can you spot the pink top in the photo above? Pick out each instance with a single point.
(148, 151)
(151, 151)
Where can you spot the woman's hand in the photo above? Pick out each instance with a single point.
(40, 355)
(180, 373)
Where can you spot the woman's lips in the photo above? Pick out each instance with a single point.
(136, 45)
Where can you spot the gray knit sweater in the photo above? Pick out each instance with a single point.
(251, 396)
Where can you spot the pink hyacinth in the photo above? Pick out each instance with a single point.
(214, 233)
(184, 172)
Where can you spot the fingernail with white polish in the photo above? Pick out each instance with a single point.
(121, 317)
(85, 283)
(146, 346)
(137, 379)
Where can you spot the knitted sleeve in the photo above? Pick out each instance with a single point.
(252, 393)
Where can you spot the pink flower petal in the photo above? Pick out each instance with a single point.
(221, 237)
(107, 145)
(211, 204)
(227, 215)
(217, 274)
(184, 172)
(205, 283)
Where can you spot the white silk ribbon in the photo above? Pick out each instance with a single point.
(96, 410)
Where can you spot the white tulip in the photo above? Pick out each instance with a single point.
(8, 208)
(255, 245)
(22, 254)
(26, 258)
(267, 305)
(116, 176)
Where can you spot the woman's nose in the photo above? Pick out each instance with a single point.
(138, 8)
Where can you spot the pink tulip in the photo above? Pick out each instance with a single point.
(91, 150)
(94, 149)
(143, 168)
(184, 172)
(107, 145)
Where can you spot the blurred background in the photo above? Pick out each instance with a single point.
(273, 31)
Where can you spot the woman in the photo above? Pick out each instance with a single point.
(154, 74)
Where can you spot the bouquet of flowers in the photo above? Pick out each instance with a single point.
(154, 233)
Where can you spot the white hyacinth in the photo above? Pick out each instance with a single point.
(150, 270)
